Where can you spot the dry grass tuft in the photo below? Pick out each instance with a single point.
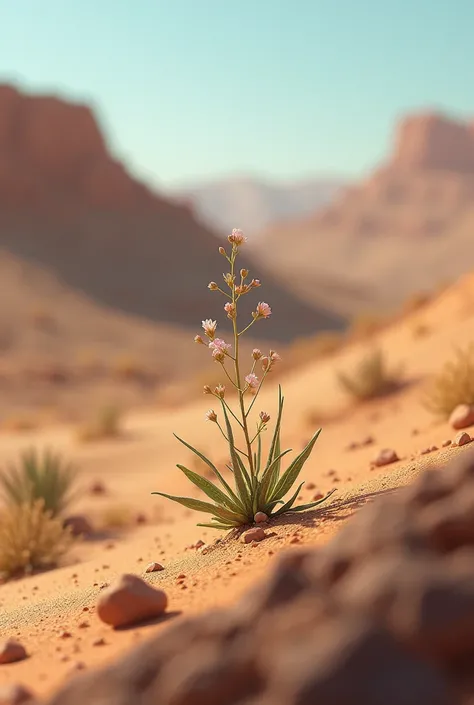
(453, 385)
(116, 516)
(39, 476)
(31, 539)
(371, 378)
(107, 424)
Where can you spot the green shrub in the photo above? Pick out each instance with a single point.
(39, 476)
(453, 385)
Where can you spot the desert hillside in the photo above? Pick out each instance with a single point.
(68, 206)
(406, 228)
(255, 204)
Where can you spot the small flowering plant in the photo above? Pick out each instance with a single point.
(258, 485)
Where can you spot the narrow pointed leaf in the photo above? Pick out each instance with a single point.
(258, 455)
(242, 489)
(302, 507)
(290, 475)
(199, 506)
(276, 432)
(211, 465)
(264, 492)
(268, 508)
(221, 527)
(276, 471)
(290, 502)
(210, 489)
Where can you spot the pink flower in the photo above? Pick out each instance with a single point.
(230, 310)
(212, 286)
(218, 355)
(207, 389)
(198, 339)
(252, 380)
(265, 363)
(237, 237)
(264, 417)
(255, 283)
(219, 345)
(263, 310)
(209, 328)
(220, 391)
(256, 354)
(211, 415)
(274, 356)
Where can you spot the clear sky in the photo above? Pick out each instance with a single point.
(191, 89)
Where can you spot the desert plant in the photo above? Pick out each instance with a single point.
(44, 476)
(371, 377)
(453, 385)
(116, 516)
(31, 539)
(107, 424)
(258, 486)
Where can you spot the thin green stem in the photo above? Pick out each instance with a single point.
(231, 412)
(237, 372)
(223, 433)
(229, 377)
(246, 329)
(257, 392)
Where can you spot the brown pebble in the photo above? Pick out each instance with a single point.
(462, 417)
(153, 567)
(317, 496)
(462, 439)
(446, 443)
(130, 600)
(11, 651)
(99, 642)
(15, 694)
(260, 518)
(65, 635)
(310, 486)
(385, 457)
(255, 534)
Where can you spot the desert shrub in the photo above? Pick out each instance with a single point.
(370, 378)
(260, 485)
(116, 516)
(107, 424)
(453, 385)
(31, 539)
(40, 476)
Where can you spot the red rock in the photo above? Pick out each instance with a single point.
(446, 443)
(129, 601)
(15, 694)
(153, 567)
(462, 439)
(385, 457)
(462, 417)
(79, 525)
(317, 495)
(260, 518)
(255, 534)
(11, 651)
(310, 486)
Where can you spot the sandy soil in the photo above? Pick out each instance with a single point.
(53, 614)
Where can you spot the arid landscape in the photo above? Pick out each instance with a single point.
(341, 574)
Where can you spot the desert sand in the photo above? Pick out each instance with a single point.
(54, 614)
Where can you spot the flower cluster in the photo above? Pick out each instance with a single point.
(259, 487)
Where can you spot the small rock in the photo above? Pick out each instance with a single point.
(255, 534)
(260, 518)
(11, 651)
(15, 694)
(141, 518)
(353, 445)
(385, 457)
(462, 439)
(130, 600)
(368, 441)
(446, 443)
(317, 496)
(310, 486)
(99, 642)
(79, 525)
(462, 417)
(199, 544)
(97, 488)
(153, 567)
(65, 635)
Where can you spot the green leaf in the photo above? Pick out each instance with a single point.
(211, 465)
(242, 489)
(302, 507)
(222, 527)
(288, 504)
(210, 489)
(258, 455)
(264, 491)
(276, 470)
(290, 476)
(276, 433)
(199, 506)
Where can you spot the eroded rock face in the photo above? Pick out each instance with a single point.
(382, 615)
(432, 141)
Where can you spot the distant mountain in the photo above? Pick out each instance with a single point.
(405, 229)
(74, 215)
(253, 204)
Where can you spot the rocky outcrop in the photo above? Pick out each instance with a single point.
(383, 615)
(67, 205)
(432, 141)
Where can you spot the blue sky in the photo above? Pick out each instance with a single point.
(191, 89)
